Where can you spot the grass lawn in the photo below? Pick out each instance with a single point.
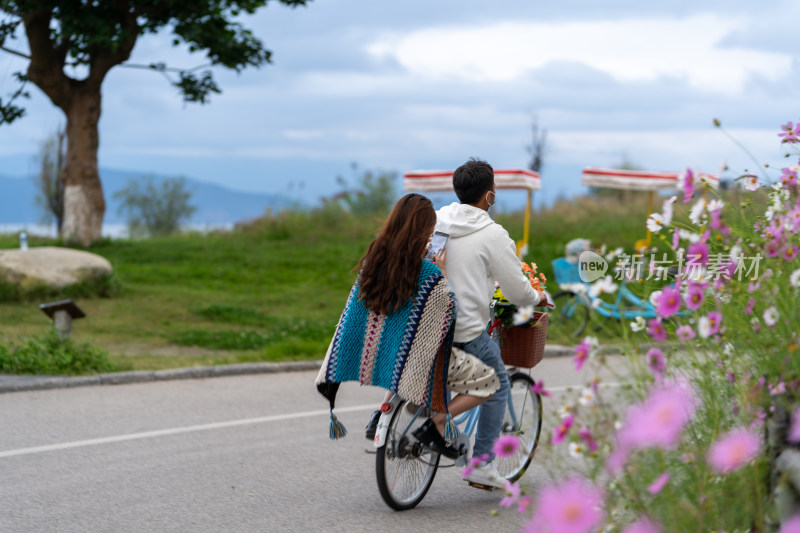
(272, 289)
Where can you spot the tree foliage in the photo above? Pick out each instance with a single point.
(153, 208)
(101, 34)
(374, 193)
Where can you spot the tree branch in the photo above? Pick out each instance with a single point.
(102, 61)
(45, 69)
(14, 52)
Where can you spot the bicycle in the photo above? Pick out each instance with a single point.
(573, 305)
(405, 468)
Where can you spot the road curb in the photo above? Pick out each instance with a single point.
(14, 383)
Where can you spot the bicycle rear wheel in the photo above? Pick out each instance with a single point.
(570, 315)
(523, 418)
(404, 468)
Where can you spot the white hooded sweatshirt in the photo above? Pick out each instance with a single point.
(479, 252)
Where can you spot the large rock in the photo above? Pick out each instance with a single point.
(51, 267)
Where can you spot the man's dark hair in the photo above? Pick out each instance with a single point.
(472, 179)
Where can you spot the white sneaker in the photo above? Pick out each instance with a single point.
(486, 474)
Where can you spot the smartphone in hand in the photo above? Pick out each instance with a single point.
(437, 245)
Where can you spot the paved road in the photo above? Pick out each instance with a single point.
(245, 453)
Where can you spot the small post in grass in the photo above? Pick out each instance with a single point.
(62, 313)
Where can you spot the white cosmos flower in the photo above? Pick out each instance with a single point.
(638, 324)
(688, 236)
(577, 288)
(751, 183)
(771, 316)
(587, 396)
(727, 349)
(523, 315)
(697, 212)
(715, 204)
(565, 411)
(794, 279)
(736, 253)
(654, 296)
(704, 327)
(666, 210)
(576, 450)
(655, 222)
(603, 285)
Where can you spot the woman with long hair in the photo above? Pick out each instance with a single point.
(396, 330)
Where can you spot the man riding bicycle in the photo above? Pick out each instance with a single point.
(480, 251)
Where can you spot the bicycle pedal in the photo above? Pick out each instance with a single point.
(487, 488)
(371, 451)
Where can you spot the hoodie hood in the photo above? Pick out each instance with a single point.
(459, 220)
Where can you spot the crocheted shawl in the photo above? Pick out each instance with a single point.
(407, 351)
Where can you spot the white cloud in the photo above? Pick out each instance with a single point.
(643, 49)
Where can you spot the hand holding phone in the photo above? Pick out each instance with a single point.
(437, 245)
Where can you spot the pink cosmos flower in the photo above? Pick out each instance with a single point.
(751, 303)
(588, 438)
(506, 446)
(582, 353)
(574, 506)
(474, 462)
(513, 492)
(668, 302)
(789, 253)
(686, 180)
(791, 526)
(660, 419)
(789, 177)
(697, 252)
(523, 504)
(659, 484)
(685, 333)
(714, 322)
(695, 295)
(733, 450)
(562, 430)
(750, 182)
(657, 362)
(794, 428)
(656, 330)
(643, 525)
(773, 248)
(538, 388)
(789, 133)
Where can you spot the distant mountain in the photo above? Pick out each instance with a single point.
(215, 204)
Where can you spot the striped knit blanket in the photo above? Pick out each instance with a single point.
(406, 351)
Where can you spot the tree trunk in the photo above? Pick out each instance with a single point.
(84, 205)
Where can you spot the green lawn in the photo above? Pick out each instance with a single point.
(273, 289)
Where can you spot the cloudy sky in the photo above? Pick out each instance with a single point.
(426, 84)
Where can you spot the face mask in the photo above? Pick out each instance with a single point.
(491, 205)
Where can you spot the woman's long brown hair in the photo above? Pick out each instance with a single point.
(390, 268)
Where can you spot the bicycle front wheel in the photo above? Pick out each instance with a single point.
(523, 418)
(405, 469)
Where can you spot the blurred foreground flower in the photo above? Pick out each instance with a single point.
(574, 506)
(733, 451)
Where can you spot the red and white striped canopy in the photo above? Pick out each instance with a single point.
(442, 180)
(640, 180)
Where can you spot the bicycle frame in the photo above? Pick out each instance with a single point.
(469, 419)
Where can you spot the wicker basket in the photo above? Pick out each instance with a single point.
(524, 346)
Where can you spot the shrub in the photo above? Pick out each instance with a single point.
(155, 209)
(48, 354)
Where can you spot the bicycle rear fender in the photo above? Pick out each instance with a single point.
(387, 411)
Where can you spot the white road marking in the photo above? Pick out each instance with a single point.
(206, 427)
